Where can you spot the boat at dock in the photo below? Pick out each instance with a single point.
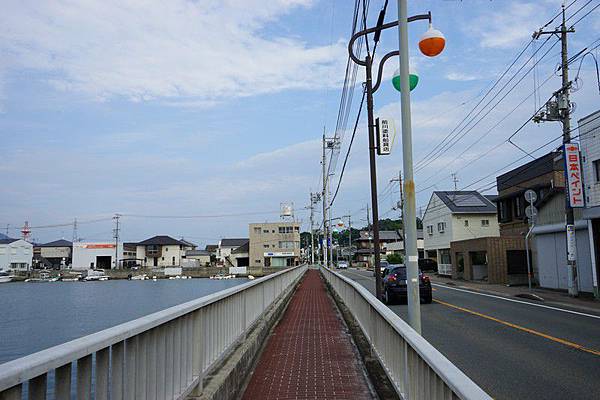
(5, 277)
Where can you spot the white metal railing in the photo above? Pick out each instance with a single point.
(160, 356)
(416, 369)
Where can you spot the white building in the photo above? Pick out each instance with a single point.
(589, 131)
(15, 254)
(162, 251)
(95, 255)
(226, 248)
(452, 216)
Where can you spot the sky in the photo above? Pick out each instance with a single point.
(195, 118)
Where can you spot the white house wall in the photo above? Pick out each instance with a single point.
(474, 229)
(17, 252)
(437, 212)
(590, 149)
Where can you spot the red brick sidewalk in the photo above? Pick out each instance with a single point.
(309, 356)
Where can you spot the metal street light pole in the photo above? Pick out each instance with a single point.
(409, 207)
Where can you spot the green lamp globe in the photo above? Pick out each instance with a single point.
(413, 80)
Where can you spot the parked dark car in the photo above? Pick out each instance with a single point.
(383, 265)
(394, 286)
(428, 264)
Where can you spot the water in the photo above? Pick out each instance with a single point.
(35, 316)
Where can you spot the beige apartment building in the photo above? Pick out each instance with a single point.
(274, 244)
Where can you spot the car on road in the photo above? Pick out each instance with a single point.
(383, 266)
(342, 265)
(394, 286)
(428, 264)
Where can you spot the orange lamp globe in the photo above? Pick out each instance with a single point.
(432, 42)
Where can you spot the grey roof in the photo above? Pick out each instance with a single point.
(245, 248)
(197, 253)
(532, 169)
(187, 242)
(57, 243)
(237, 242)
(211, 247)
(3, 236)
(161, 240)
(466, 201)
(7, 241)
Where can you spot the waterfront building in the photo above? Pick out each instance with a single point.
(274, 244)
(15, 254)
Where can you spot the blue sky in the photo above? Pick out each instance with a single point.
(188, 108)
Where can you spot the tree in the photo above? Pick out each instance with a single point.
(395, 259)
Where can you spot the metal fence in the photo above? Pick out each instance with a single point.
(160, 356)
(417, 370)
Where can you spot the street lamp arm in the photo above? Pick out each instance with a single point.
(365, 32)
(380, 70)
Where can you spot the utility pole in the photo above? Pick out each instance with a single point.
(312, 229)
(116, 231)
(409, 213)
(455, 180)
(349, 239)
(324, 201)
(330, 237)
(74, 230)
(314, 199)
(560, 110)
(400, 205)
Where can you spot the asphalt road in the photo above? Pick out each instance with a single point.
(511, 349)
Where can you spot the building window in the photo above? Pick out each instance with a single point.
(266, 246)
(297, 228)
(257, 261)
(519, 206)
(257, 230)
(441, 227)
(430, 230)
(466, 222)
(265, 231)
(287, 244)
(286, 229)
(166, 249)
(597, 170)
(485, 223)
(504, 210)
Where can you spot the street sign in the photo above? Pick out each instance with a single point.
(571, 243)
(386, 133)
(573, 175)
(530, 196)
(531, 212)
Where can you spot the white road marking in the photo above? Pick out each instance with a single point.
(517, 301)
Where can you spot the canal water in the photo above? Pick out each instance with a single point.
(35, 316)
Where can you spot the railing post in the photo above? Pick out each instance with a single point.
(37, 387)
(151, 364)
(130, 368)
(170, 332)
(197, 352)
(62, 382)
(101, 389)
(140, 366)
(117, 370)
(14, 393)
(161, 340)
(84, 378)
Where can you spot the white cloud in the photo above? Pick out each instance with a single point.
(509, 26)
(187, 53)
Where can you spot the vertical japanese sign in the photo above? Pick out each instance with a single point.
(386, 133)
(574, 175)
(571, 243)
